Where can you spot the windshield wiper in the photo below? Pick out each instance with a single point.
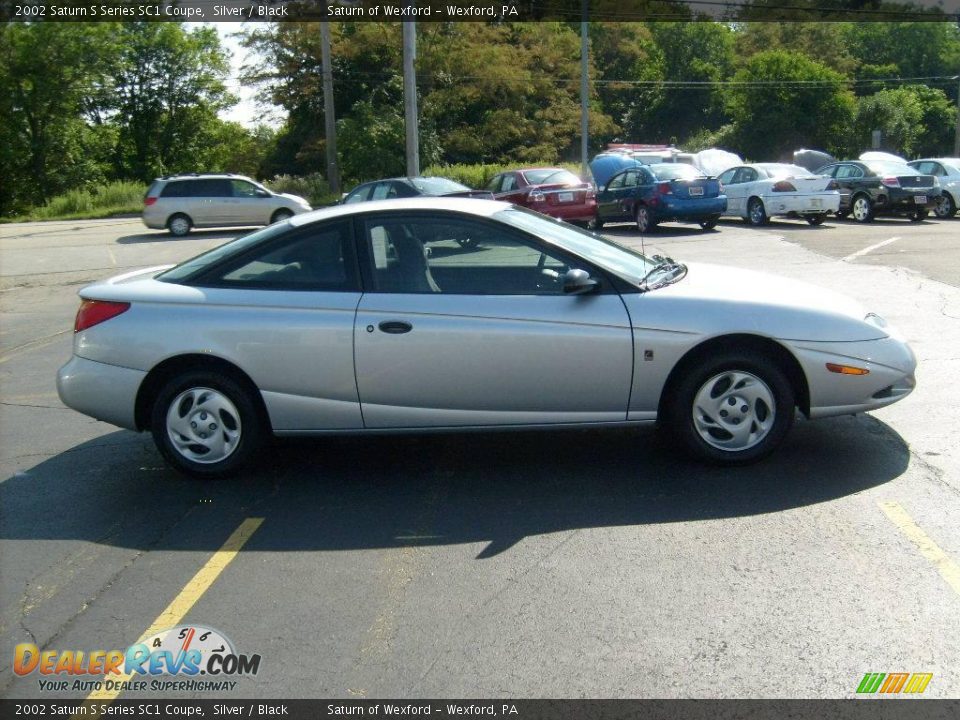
(671, 270)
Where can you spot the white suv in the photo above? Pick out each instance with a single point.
(182, 202)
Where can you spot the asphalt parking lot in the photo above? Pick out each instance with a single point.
(546, 564)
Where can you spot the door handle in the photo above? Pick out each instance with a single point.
(395, 327)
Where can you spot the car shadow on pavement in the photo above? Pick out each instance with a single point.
(350, 493)
(164, 236)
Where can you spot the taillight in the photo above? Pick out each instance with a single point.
(536, 196)
(891, 182)
(94, 312)
(147, 201)
(784, 186)
(664, 188)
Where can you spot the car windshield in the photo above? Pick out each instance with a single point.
(783, 170)
(194, 265)
(603, 252)
(891, 168)
(437, 186)
(551, 175)
(676, 171)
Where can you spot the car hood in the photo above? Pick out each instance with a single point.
(715, 299)
(294, 198)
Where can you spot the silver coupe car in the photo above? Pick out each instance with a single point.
(429, 314)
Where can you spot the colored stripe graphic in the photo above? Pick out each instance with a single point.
(894, 682)
(870, 682)
(918, 682)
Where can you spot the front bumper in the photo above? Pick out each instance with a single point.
(890, 361)
(104, 392)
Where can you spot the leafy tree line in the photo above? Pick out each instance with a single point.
(81, 104)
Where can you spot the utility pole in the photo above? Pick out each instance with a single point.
(956, 134)
(329, 118)
(410, 97)
(584, 96)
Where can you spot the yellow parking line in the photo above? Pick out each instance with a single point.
(927, 547)
(191, 592)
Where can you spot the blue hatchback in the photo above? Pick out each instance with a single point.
(651, 194)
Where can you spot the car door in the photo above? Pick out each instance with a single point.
(463, 322)
(619, 196)
(849, 179)
(746, 182)
(733, 191)
(247, 207)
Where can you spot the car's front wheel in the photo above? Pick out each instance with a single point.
(644, 218)
(280, 216)
(816, 219)
(179, 225)
(710, 223)
(919, 215)
(735, 407)
(756, 213)
(206, 424)
(862, 209)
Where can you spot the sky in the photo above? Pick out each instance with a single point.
(247, 111)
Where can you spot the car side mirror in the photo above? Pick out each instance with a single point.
(601, 188)
(578, 282)
(262, 193)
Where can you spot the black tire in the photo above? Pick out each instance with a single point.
(249, 424)
(597, 222)
(861, 208)
(756, 213)
(179, 224)
(709, 223)
(946, 207)
(919, 215)
(842, 214)
(816, 219)
(644, 219)
(681, 414)
(280, 215)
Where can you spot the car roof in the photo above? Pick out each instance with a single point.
(468, 206)
(205, 176)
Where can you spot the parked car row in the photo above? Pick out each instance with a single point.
(631, 190)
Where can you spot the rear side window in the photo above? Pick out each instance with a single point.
(178, 189)
(359, 194)
(313, 258)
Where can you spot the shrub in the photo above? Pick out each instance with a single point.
(115, 198)
(314, 187)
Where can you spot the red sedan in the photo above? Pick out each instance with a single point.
(551, 191)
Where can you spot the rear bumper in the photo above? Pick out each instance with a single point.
(104, 392)
(905, 200)
(676, 209)
(581, 211)
(801, 203)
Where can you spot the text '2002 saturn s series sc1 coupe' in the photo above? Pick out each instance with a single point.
(432, 313)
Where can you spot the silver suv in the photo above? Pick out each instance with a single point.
(182, 202)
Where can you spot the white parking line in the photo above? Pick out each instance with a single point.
(869, 249)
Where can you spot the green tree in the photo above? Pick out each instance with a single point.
(914, 120)
(48, 72)
(783, 100)
(168, 89)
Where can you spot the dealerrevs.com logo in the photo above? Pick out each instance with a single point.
(195, 656)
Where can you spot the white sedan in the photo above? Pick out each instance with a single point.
(947, 173)
(760, 191)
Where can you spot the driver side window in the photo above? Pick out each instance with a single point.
(458, 257)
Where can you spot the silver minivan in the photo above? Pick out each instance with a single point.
(180, 203)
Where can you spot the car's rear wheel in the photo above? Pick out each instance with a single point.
(206, 424)
(179, 225)
(945, 207)
(709, 223)
(918, 215)
(735, 407)
(816, 219)
(862, 209)
(280, 216)
(756, 213)
(644, 219)
(597, 221)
